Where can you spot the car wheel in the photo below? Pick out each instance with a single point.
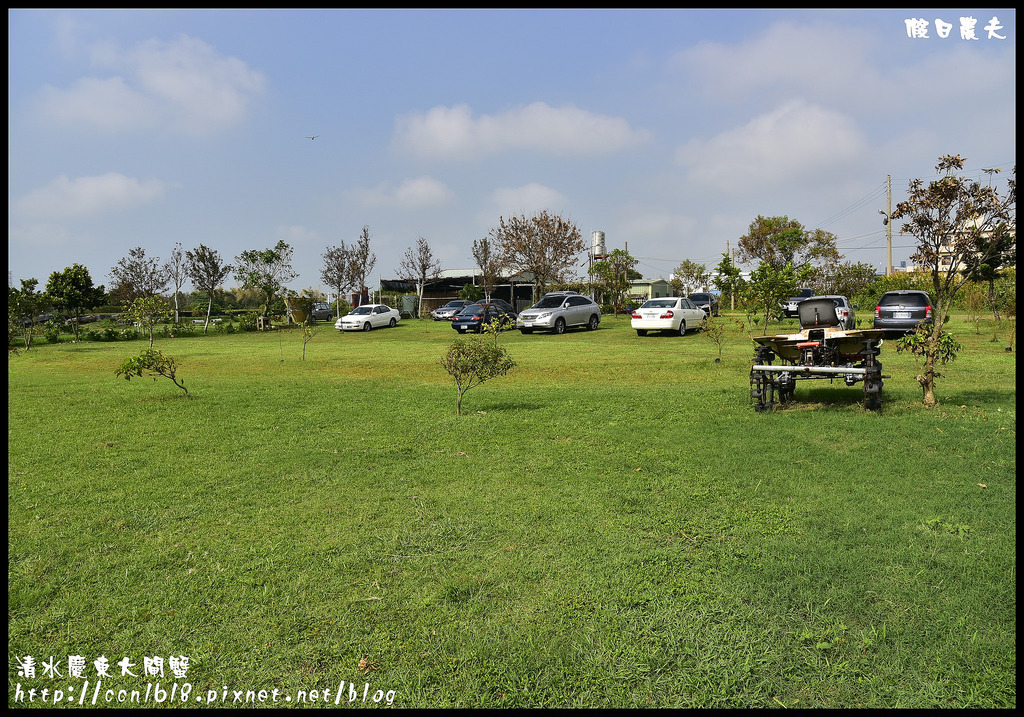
(641, 332)
(592, 325)
(682, 328)
(366, 326)
(392, 323)
(560, 326)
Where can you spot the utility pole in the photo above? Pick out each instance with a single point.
(888, 224)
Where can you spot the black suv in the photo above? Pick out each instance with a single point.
(789, 306)
(707, 301)
(901, 311)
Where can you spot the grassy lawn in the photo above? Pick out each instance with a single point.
(609, 525)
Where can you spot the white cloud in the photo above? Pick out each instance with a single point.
(527, 199)
(183, 85)
(794, 141)
(297, 235)
(454, 133)
(420, 193)
(86, 196)
(821, 59)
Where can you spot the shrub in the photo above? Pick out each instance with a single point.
(471, 363)
(153, 363)
(51, 330)
(247, 322)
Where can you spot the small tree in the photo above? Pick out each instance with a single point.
(23, 307)
(137, 275)
(713, 330)
(176, 271)
(207, 273)
(152, 363)
(728, 279)
(767, 287)
(471, 362)
(420, 267)
(337, 271)
(487, 255)
(309, 330)
(147, 312)
(362, 261)
(959, 225)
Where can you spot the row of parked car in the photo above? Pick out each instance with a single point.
(897, 312)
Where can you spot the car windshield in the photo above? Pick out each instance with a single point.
(699, 297)
(454, 305)
(471, 310)
(549, 302)
(360, 310)
(659, 304)
(906, 300)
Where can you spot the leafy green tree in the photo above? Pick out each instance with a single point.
(72, 292)
(151, 363)
(471, 292)
(767, 287)
(472, 362)
(958, 224)
(728, 278)
(778, 241)
(267, 270)
(613, 276)
(23, 308)
(846, 279)
(1000, 252)
(207, 272)
(690, 276)
(147, 312)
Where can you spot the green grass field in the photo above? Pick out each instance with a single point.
(611, 524)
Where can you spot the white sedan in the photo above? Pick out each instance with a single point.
(676, 314)
(368, 316)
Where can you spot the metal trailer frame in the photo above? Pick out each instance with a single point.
(814, 355)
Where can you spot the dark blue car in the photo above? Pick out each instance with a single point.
(473, 317)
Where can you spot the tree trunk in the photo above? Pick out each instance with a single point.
(992, 298)
(209, 310)
(927, 380)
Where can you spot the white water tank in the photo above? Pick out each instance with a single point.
(597, 244)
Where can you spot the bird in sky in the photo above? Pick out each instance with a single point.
(313, 137)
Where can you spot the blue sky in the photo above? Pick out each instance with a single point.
(668, 130)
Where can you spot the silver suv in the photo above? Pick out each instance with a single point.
(558, 311)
